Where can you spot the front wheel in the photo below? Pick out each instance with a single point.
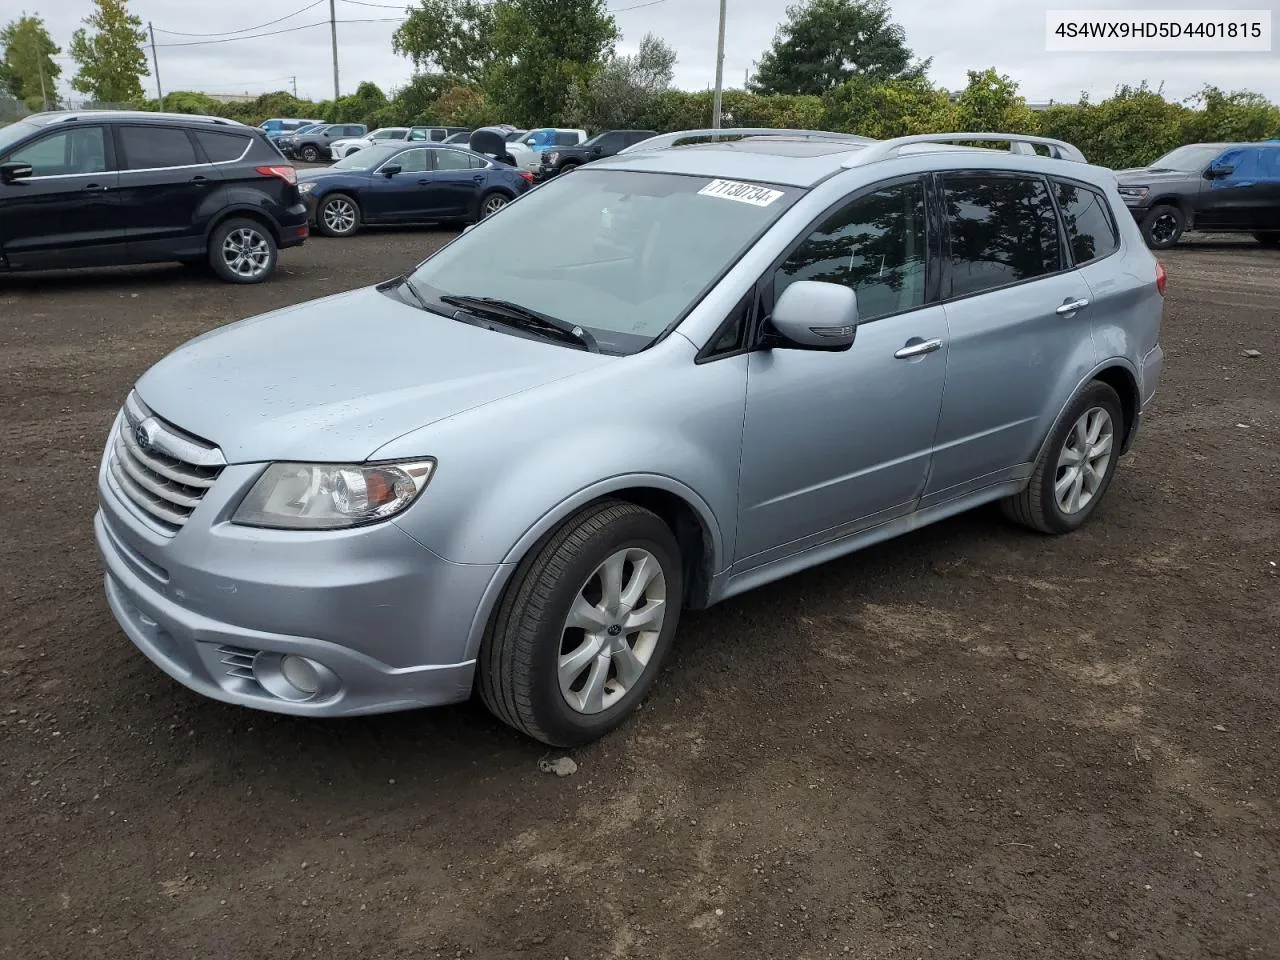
(584, 626)
(310, 154)
(1163, 226)
(1076, 467)
(242, 251)
(338, 216)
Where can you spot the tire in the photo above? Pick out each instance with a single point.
(519, 674)
(338, 215)
(1162, 226)
(1039, 506)
(570, 167)
(309, 153)
(1268, 239)
(492, 202)
(243, 251)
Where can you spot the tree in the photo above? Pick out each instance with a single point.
(825, 43)
(27, 69)
(111, 59)
(622, 92)
(991, 104)
(523, 56)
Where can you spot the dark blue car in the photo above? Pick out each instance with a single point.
(403, 183)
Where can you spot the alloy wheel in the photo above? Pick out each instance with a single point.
(1164, 228)
(246, 252)
(1083, 461)
(494, 204)
(339, 216)
(612, 630)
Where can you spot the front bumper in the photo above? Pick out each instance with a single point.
(216, 606)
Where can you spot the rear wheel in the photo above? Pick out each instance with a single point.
(1163, 226)
(1269, 239)
(338, 216)
(584, 626)
(1077, 465)
(242, 251)
(491, 203)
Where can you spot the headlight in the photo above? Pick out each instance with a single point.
(1133, 194)
(306, 187)
(328, 496)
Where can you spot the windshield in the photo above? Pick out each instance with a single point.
(633, 251)
(1192, 159)
(366, 159)
(13, 132)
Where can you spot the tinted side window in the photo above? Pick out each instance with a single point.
(221, 147)
(476, 163)
(612, 142)
(411, 161)
(1091, 231)
(451, 160)
(82, 150)
(876, 244)
(566, 139)
(1003, 230)
(354, 131)
(334, 131)
(148, 148)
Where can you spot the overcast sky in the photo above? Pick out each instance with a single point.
(962, 34)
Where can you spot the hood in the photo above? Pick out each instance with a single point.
(337, 378)
(1145, 175)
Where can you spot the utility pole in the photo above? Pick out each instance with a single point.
(333, 33)
(295, 87)
(719, 98)
(155, 63)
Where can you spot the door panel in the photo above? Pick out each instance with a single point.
(402, 196)
(1226, 203)
(454, 182)
(1009, 344)
(835, 442)
(68, 213)
(163, 184)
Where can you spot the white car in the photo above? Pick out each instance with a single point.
(527, 150)
(342, 149)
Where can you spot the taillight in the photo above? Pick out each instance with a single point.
(287, 174)
(1161, 278)
(526, 176)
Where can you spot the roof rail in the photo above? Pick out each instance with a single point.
(1018, 143)
(662, 141)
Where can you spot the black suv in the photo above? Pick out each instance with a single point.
(563, 159)
(314, 144)
(1210, 187)
(105, 188)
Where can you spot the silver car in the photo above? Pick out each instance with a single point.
(511, 469)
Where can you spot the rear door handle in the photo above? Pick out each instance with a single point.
(918, 349)
(423, 182)
(199, 180)
(1071, 306)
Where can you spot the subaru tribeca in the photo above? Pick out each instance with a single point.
(738, 360)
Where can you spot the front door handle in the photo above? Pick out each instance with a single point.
(918, 349)
(95, 188)
(423, 182)
(1071, 306)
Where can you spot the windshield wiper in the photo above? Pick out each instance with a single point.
(408, 285)
(515, 315)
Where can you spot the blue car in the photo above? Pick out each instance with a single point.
(400, 183)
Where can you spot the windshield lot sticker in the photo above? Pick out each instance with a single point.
(741, 192)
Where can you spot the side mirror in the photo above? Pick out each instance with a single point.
(391, 170)
(596, 151)
(13, 170)
(1219, 173)
(811, 315)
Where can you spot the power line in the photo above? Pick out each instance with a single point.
(384, 6)
(638, 6)
(225, 33)
(275, 33)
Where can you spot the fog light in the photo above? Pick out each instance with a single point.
(301, 673)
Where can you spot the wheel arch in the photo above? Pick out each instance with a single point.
(244, 211)
(1117, 373)
(687, 515)
(1181, 201)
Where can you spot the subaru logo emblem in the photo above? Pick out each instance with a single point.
(142, 436)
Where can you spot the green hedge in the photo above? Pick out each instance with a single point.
(1131, 128)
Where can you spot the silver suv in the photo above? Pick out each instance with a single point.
(511, 469)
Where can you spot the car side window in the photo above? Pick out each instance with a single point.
(335, 131)
(412, 161)
(451, 160)
(151, 148)
(66, 153)
(1247, 164)
(876, 244)
(354, 131)
(1091, 228)
(565, 138)
(1003, 230)
(221, 147)
(611, 141)
(477, 163)
(1269, 163)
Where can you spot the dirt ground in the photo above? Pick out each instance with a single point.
(971, 742)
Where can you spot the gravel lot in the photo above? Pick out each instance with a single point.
(971, 742)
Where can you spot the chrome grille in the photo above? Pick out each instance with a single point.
(166, 476)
